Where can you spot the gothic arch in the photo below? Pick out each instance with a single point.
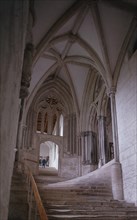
(52, 138)
(93, 97)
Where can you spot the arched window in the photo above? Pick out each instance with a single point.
(61, 125)
(54, 124)
(46, 123)
(39, 121)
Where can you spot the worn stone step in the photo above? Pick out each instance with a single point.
(19, 198)
(17, 212)
(98, 204)
(18, 206)
(72, 202)
(65, 201)
(69, 193)
(75, 196)
(130, 210)
(77, 188)
(90, 217)
(17, 187)
(89, 212)
(42, 179)
(18, 176)
(76, 200)
(76, 192)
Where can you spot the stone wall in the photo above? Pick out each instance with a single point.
(69, 167)
(13, 24)
(126, 101)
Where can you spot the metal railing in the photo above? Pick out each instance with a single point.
(36, 208)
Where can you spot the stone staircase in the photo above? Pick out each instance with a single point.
(83, 198)
(76, 204)
(18, 207)
(79, 200)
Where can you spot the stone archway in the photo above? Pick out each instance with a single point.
(49, 152)
(58, 142)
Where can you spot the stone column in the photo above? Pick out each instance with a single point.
(83, 148)
(26, 74)
(68, 134)
(116, 170)
(79, 153)
(117, 181)
(72, 134)
(114, 123)
(86, 146)
(89, 153)
(33, 129)
(24, 127)
(25, 82)
(65, 134)
(102, 140)
(25, 137)
(79, 146)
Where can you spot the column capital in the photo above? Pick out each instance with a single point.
(111, 91)
(23, 125)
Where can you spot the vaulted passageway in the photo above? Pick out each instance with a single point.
(68, 76)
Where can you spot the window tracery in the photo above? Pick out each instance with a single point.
(50, 110)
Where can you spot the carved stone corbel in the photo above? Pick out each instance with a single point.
(26, 70)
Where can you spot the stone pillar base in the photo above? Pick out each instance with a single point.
(117, 181)
(101, 163)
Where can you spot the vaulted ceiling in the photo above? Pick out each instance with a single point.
(72, 37)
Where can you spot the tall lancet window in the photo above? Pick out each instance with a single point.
(61, 125)
(46, 123)
(54, 124)
(39, 121)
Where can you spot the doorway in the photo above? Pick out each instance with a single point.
(49, 155)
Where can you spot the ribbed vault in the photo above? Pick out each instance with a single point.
(85, 35)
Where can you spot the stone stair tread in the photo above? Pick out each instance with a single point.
(93, 209)
(18, 206)
(112, 211)
(93, 214)
(96, 204)
(120, 212)
(66, 200)
(85, 216)
(69, 201)
(19, 188)
(60, 210)
(46, 202)
(92, 218)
